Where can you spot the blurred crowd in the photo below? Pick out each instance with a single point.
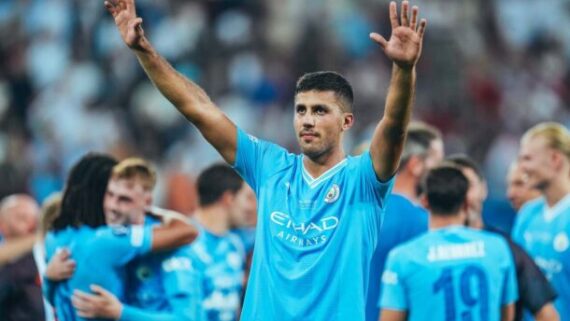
(68, 85)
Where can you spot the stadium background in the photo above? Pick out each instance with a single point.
(490, 69)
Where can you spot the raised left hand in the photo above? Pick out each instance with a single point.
(405, 45)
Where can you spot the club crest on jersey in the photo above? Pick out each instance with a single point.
(143, 273)
(561, 242)
(332, 194)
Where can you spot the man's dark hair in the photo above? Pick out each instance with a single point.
(419, 137)
(215, 180)
(464, 161)
(82, 202)
(328, 81)
(446, 188)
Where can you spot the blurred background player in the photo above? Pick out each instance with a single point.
(100, 252)
(451, 272)
(536, 295)
(20, 285)
(518, 190)
(542, 226)
(162, 285)
(405, 217)
(220, 255)
(319, 211)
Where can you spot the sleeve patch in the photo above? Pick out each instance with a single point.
(389, 277)
(137, 236)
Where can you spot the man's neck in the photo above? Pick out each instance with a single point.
(213, 218)
(441, 221)
(317, 166)
(556, 191)
(406, 185)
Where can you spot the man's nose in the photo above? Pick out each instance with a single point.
(308, 120)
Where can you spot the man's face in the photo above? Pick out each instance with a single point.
(518, 190)
(125, 202)
(535, 160)
(434, 155)
(476, 193)
(19, 217)
(319, 122)
(243, 211)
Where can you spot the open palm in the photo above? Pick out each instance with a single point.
(405, 45)
(129, 25)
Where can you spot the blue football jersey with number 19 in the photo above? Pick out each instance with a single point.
(454, 273)
(315, 236)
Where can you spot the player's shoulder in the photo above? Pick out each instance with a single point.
(412, 247)
(248, 138)
(355, 161)
(400, 203)
(495, 243)
(531, 207)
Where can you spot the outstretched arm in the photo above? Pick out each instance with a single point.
(404, 49)
(104, 304)
(185, 95)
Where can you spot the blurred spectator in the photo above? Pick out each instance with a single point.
(20, 285)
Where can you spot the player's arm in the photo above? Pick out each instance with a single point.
(394, 298)
(547, 313)
(393, 315)
(185, 95)
(102, 304)
(176, 231)
(508, 312)
(404, 49)
(13, 249)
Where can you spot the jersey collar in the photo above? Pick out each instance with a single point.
(550, 213)
(314, 182)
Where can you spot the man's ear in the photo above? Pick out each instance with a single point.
(415, 165)
(557, 160)
(348, 121)
(424, 201)
(148, 198)
(227, 198)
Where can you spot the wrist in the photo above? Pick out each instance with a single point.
(406, 69)
(143, 46)
(119, 312)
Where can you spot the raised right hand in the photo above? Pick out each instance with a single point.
(129, 25)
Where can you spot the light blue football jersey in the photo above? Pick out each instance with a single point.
(403, 221)
(163, 285)
(454, 273)
(220, 262)
(100, 255)
(544, 233)
(315, 237)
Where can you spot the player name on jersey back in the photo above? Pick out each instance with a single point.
(456, 251)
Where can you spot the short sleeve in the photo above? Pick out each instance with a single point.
(510, 289)
(394, 296)
(120, 244)
(369, 178)
(255, 158)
